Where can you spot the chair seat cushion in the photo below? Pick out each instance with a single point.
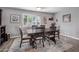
(51, 36)
(26, 36)
(39, 38)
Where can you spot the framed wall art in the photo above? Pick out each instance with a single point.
(67, 18)
(51, 19)
(14, 18)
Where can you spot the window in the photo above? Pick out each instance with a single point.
(32, 20)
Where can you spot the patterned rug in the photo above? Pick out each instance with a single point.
(60, 46)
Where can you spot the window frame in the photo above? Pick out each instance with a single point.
(32, 19)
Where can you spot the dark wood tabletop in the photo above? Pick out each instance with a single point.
(36, 31)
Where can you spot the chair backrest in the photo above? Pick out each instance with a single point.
(34, 26)
(42, 27)
(53, 26)
(21, 33)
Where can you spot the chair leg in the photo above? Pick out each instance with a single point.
(35, 44)
(20, 43)
(54, 41)
(43, 42)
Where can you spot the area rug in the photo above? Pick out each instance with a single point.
(60, 46)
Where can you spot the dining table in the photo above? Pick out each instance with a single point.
(32, 32)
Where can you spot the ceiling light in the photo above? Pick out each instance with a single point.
(38, 8)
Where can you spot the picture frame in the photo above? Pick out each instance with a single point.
(14, 18)
(51, 19)
(67, 18)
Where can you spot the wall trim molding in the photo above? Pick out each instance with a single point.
(70, 36)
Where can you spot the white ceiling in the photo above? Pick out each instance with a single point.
(43, 9)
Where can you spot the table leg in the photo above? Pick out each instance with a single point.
(43, 42)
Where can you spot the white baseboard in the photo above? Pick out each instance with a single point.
(70, 36)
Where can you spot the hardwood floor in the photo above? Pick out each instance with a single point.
(6, 45)
(75, 44)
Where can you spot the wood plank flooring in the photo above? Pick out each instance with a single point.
(6, 45)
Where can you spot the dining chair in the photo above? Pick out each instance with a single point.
(57, 28)
(45, 38)
(24, 37)
(51, 36)
(34, 26)
(42, 27)
(57, 33)
(40, 36)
